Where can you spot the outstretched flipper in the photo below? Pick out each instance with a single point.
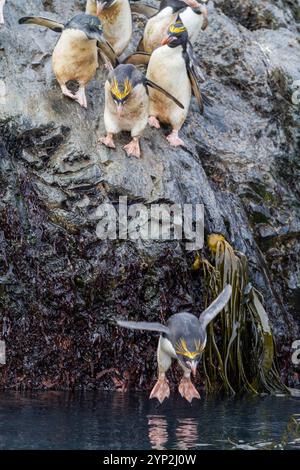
(215, 307)
(166, 93)
(138, 58)
(143, 9)
(143, 325)
(39, 20)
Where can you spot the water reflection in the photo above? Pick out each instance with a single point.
(158, 432)
(54, 420)
(187, 434)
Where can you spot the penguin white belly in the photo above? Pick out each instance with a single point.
(165, 354)
(117, 25)
(135, 113)
(193, 23)
(167, 68)
(74, 57)
(156, 29)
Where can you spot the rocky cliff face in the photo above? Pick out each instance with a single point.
(60, 286)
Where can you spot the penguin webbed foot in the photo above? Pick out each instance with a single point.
(187, 389)
(108, 141)
(153, 122)
(161, 390)
(174, 140)
(133, 148)
(79, 96)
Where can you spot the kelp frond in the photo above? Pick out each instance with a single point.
(240, 352)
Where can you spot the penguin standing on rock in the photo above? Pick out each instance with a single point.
(116, 19)
(183, 338)
(127, 105)
(75, 56)
(2, 2)
(192, 14)
(173, 67)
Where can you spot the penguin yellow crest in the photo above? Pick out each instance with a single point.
(182, 349)
(177, 28)
(120, 94)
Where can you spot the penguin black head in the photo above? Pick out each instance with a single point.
(88, 24)
(123, 79)
(177, 35)
(188, 339)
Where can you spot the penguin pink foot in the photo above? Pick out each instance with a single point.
(108, 141)
(161, 390)
(133, 148)
(153, 122)
(187, 390)
(174, 140)
(67, 92)
(80, 97)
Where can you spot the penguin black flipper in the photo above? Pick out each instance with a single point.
(195, 75)
(140, 47)
(143, 9)
(39, 20)
(138, 58)
(217, 305)
(195, 88)
(107, 53)
(166, 93)
(143, 325)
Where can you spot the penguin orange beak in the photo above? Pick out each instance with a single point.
(100, 7)
(120, 108)
(192, 3)
(193, 365)
(165, 41)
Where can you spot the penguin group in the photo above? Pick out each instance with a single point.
(101, 34)
(161, 95)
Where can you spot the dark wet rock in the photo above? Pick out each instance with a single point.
(60, 287)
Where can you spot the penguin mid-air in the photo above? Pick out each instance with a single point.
(173, 67)
(192, 14)
(2, 2)
(183, 338)
(75, 56)
(116, 19)
(127, 105)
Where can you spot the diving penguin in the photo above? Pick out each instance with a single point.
(173, 67)
(192, 14)
(127, 105)
(2, 2)
(183, 338)
(116, 20)
(75, 56)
